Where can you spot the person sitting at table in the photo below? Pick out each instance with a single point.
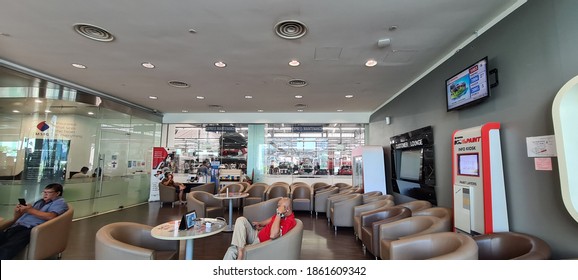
(82, 174)
(179, 188)
(246, 232)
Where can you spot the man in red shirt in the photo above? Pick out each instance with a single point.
(246, 232)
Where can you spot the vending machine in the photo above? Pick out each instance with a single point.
(478, 180)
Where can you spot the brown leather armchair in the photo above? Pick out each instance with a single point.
(369, 199)
(48, 239)
(370, 225)
(405, 228)
(132, 241)
(367, 208)
(302, 198)
(256, 193)
(511, 246)
(417, 205)
(261, 211)
(205, 204)
(444, 213)
(435, 246)
(286, 247)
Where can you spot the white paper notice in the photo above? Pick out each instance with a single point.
(541, 146)
(543, 164)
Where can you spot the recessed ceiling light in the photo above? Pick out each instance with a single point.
(294, 63)
(47, 111)
(79, 66)
(221, 111)
(260, 110)
(148, 65)
(371, 63)
(220, 64)
(38, 101)
(200, 97)
(248, 96)
(15, 111)
(91, 113)
(339, 110)
(184, 111)
(300, 110)
(298, 96)
(153, 97)
(349, 96)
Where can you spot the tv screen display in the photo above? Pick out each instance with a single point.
(468, 165)
(469, 86)
(410, 165)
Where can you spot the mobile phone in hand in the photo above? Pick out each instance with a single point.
(22, 201)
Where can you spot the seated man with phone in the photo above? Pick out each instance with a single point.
(247, 232)
(26, 216)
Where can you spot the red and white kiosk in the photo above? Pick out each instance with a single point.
(478, 180)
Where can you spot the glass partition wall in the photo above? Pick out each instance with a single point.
(287, 154)
(48, 133)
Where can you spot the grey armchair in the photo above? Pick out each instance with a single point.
(261, 211)
(205, 204)
(286, 247)
(167, 194)
(320, 199)
(317, 186)
(132, 241)
(335, 198)
(278, 190)
(256, 193)
(435, 246)
(48, 239)
(341, 212)
(302, 198)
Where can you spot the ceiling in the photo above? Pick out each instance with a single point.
(184, 39)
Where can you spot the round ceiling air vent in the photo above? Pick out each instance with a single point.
(93, 32)
(297, 83)
(290, 29)
(179, 84)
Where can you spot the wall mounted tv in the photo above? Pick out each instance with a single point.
(469, 86)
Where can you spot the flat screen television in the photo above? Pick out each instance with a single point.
(410, 164)
(469, 86)
(468, 164)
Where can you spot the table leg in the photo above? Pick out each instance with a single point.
(229, 228)
(189, 249)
